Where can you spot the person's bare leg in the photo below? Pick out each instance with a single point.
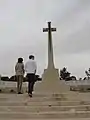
(17, 77)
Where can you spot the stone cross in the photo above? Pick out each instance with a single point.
(50, 46)
(51, 83)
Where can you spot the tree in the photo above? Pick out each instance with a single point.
(5, 78)
(65, 75)
(87, 72)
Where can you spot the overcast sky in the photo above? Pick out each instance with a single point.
(21, 24)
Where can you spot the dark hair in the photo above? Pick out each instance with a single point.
(20, 60)
(31, 57)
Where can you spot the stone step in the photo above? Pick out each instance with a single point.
(46, 97)
(44, 108)
(43, 103)
(50, 119)
(46, 115)
(16, 107)
(34, 99)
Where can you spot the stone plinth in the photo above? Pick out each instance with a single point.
(51, 83)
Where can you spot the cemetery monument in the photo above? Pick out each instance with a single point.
(50, 78)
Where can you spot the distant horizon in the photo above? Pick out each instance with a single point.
(6, 75)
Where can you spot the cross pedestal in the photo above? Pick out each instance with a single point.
(51, 83)
(50, 78)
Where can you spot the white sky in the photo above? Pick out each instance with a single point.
(21, 24)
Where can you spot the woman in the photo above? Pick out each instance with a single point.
(19, 69)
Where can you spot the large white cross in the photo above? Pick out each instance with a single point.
(50, 45)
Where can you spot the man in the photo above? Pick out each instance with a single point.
(30, 68)
(19, 69)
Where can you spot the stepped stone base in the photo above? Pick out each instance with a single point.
(51, 83)
(44, 106)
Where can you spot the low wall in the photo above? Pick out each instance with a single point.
(83, 85)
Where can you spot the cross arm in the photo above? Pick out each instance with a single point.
(46, 29)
